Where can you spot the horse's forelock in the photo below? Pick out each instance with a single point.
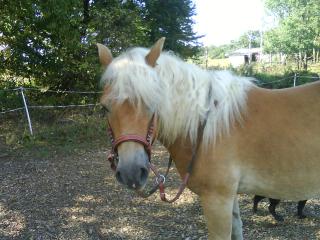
(132, 79)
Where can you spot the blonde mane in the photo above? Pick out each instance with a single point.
(182, 94)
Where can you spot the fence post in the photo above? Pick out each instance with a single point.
(27, 111)
(294, 79)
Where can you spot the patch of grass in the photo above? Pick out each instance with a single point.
(315, 68)
(223, 63)
(73, 132)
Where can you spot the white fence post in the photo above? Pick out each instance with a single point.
(294, 79)
(27, 111)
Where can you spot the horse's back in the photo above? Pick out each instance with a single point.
(302, 102)
(290, 107)
(301, 95)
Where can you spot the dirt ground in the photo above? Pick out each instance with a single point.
(75, 196)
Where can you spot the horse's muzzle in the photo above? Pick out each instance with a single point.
(133, 170)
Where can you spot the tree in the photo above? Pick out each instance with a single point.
(172, 19)
(218, 52)
(52, 43)
(298, 30)
(44, 42)
(118, 24)
(249, 39)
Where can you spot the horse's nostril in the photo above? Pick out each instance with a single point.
(143, 175)
(118, 176)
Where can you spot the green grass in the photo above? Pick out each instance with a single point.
(315, 68)
(223, 63)
(69, 133)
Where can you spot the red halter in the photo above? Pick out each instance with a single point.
(145, 141)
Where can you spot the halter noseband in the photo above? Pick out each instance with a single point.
(145, 141)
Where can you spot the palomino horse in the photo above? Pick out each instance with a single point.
(250, 140)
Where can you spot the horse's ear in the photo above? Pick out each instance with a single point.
(105, 55)
(155, 52)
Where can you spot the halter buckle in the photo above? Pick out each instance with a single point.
(112, 158)
(160, 179)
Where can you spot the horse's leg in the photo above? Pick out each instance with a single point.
(301, 205)
(236, 221)
(217, 209)
(256, 200)
(272, 209)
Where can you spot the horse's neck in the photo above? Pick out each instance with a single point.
(180, 151)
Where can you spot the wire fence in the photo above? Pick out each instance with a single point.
(12, 110)
(276, 81)
(26, 106)
(10, 89)
(296, 80)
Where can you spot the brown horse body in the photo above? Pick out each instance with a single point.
(274, 151)
(278, 142)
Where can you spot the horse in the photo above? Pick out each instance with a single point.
(247, 139)
(273, 205)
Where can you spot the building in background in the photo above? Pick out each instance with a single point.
(245, 56)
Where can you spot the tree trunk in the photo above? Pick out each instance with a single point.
(284, 59)
(305, 62)
(313, 55)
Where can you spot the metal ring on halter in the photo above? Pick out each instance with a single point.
(161, 178)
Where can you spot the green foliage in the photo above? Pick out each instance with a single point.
(117, 25)
(43, 43)
(51, 44)
(10, 100)
(248, 39)
(298, 33)
(273, 42)
(218, 52)
(173, 20)
(245, 70)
